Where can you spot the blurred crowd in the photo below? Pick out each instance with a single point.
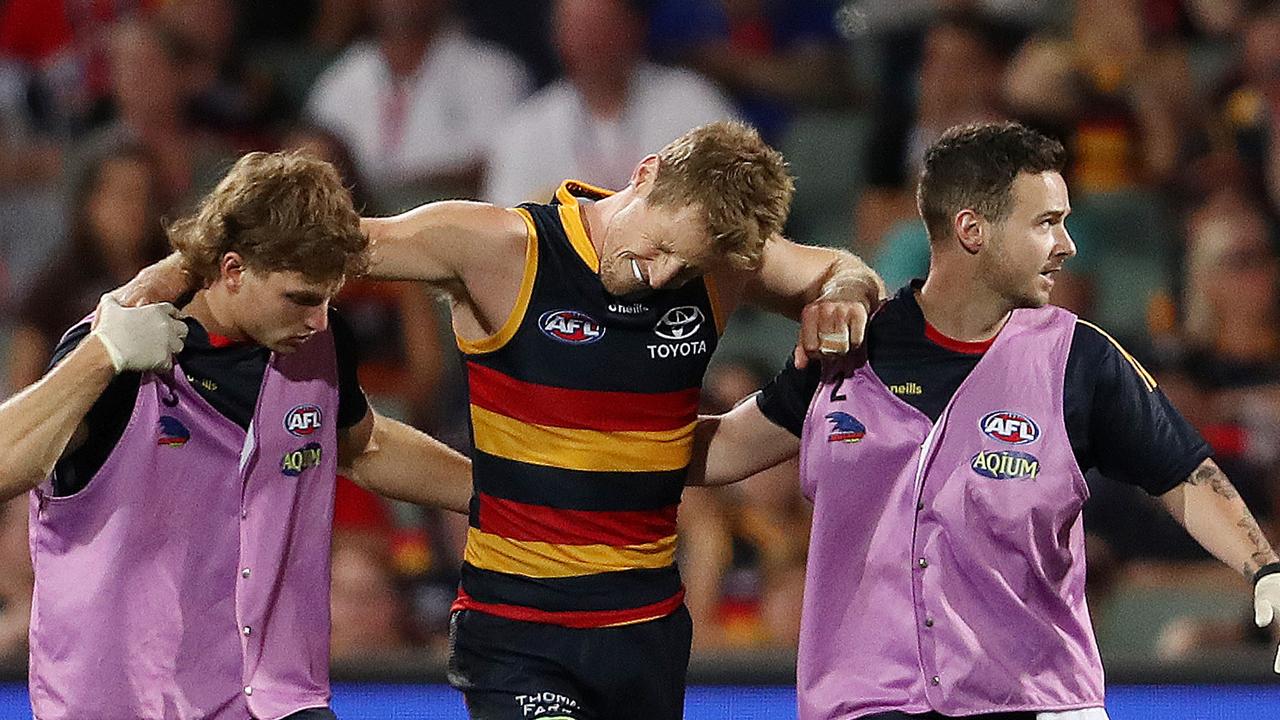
(117, 115)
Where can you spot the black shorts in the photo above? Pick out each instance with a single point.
(514, 670)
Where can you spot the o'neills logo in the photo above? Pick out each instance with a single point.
(1005, 465)
(1011, 427)
(570, 326)
(303, 420)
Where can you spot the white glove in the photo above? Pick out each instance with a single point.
(1266, 603)
(139, 338)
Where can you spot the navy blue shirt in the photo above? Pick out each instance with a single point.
(1117, 420)
(228, 377)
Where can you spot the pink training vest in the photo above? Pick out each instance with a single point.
(190, 578)
(946, 569)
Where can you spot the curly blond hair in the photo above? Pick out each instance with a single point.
(726, 169)
(280, 212)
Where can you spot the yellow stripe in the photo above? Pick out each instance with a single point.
(508, 329)
(550, 560)
(571, 219)
(573, 449)
(1147, 379)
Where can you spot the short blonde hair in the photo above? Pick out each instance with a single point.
(741, 183)
(282, 212)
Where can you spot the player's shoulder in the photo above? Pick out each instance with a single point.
(1091, 341)
(476, 228)
(1095, 348)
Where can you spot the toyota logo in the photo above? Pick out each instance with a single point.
(680, 323)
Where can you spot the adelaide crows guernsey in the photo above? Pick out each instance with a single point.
(583, 407)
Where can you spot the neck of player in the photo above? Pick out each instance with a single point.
(211, 307)
(962, 308)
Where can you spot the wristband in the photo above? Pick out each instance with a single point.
(1265, 570)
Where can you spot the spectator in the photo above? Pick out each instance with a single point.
(368, 615)
(611, 107)
(1250, 109)
(744, 547)
(115, 231)
(149, 66)
(1117, 101)
(957, 83)
(65, 46)
(418, 103)
(774, 56)
(227, 95)
(1234, 356)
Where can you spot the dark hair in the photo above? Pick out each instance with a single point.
(974, 166)
(87, 181)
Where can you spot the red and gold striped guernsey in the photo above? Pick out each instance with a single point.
(582, 414)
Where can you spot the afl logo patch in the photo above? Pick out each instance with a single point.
(172, 432)
(1010, 427)
(680, 323)
(570, 326)
(303, 420)
(1005, 465)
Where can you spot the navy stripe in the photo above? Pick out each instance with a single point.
(619, 590)
(575, 489)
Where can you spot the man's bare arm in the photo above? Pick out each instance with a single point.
(44, 421)
(393, 459)
(736, 445)
(444, 242)
(831, 292)
(451, 244)
(1209, 507)
(37, 424)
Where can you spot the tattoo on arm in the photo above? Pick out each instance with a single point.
(1262, 552)
(1209, 474)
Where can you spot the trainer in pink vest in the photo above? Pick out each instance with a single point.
(946, 570)
(190, 578)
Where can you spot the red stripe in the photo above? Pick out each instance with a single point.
(222, 341)
(520, 521)
(580, 409)
(970, 348)
(573, 619)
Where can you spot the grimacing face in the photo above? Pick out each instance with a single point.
(648, 247)
(1028, 247)
(282, 310)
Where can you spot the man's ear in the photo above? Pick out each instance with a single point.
(971, 229)
(231, 271)
(643, 175)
